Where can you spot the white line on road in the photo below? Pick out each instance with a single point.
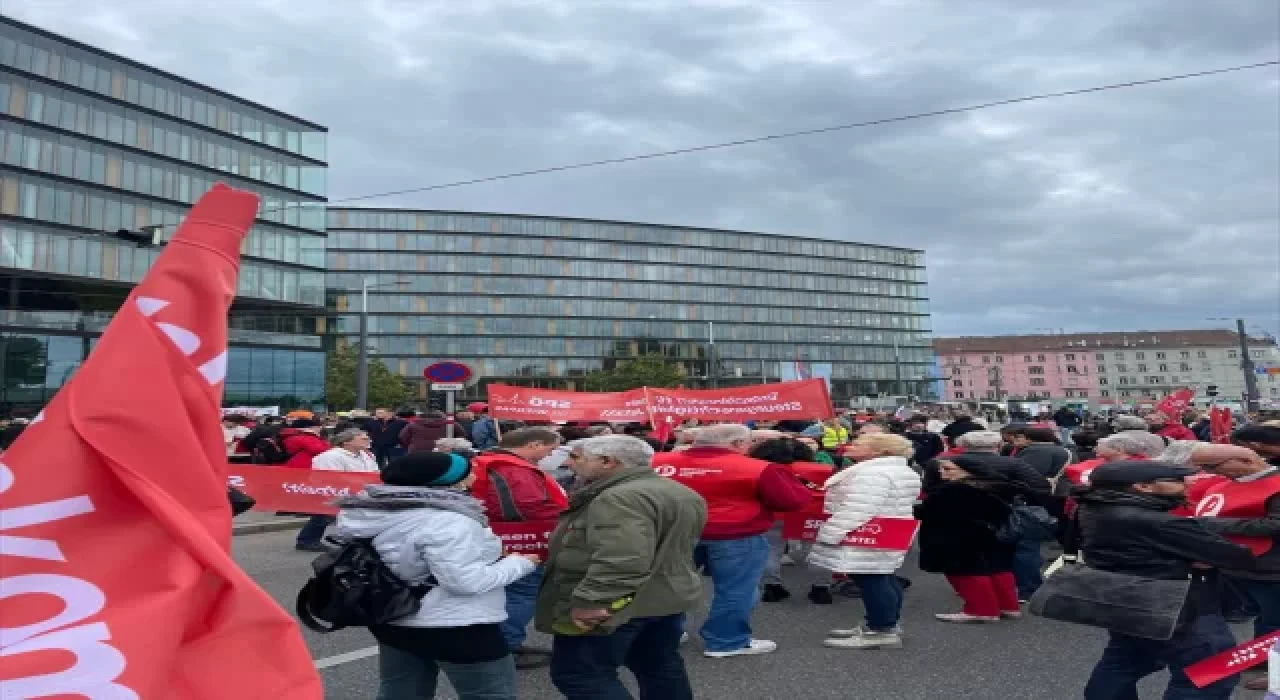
(347, 657)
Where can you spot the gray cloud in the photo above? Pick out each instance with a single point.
(1153, 207)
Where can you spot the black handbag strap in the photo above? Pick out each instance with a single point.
(303, 611)
(506, 501)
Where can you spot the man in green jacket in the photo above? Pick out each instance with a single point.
(620, 575)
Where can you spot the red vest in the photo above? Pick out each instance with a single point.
(1236, 499)
(1078, 473)
(726, 480)
(817, 474)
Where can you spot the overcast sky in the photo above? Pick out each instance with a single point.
(1152, 207)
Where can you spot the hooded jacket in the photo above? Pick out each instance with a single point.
(1047, 458)
(302, 447)
(422, 532)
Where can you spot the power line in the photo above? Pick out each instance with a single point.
(812, 132)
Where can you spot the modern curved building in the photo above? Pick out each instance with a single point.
(543, 301)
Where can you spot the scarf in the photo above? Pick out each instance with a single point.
(386, 497)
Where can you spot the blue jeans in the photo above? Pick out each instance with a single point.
(881, 598)
(586, 667)
(313, 531)
(522, 598)
(1127, 660)
(1027, 564)
(406, 676)
(735, 567)
(1266, 595)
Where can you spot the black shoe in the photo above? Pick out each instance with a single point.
(527, 660)
(821, 595)
(774, 593)
(903, 582)
(311, 547)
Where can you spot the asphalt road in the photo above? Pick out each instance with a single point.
(1029, 659)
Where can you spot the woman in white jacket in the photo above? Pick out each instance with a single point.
(879, 485)
(428, 529)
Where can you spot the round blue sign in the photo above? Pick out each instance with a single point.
(446, 372)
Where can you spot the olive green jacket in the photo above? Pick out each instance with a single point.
(625, 543)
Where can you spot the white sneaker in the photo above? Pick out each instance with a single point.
(965, 618)
(757, 646)
(867, 639)
(684, 638)
(838, 633)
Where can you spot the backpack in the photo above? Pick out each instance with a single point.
(270, 450)
(352, 587)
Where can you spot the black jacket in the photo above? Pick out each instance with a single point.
(958, 520)
(928, 445)
(1268, 563)
(959, 427)
(1046, 458)
(1134, 533)
(256, 435)
(1066, 419)
(384, 433)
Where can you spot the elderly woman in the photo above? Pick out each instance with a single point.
(1124, 445)
(958, 522)
(882, 485)
(350, 453)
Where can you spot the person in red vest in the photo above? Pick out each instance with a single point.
(742, 494)
(514, 489)
(1165, 428)
(1124, 445)
(798, 457)
(302, 442)
(1245, 509)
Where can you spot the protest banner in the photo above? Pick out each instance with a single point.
(806, 399)
(1231, 661)
(1174, 404)
(527, 537)
(526, 403)
(878, 533)
(251, 411)
(287, 490)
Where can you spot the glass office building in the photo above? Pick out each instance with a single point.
(92, 143)
(543, 301)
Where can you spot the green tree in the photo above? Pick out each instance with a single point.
(650, 370)
(385, 388)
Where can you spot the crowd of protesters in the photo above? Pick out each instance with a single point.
(640, 518)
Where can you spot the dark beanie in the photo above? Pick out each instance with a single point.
(304, 423)
(426, 469)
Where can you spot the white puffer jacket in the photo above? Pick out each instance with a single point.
(884, 486)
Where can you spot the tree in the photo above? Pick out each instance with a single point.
(649, 370)
(385, 388)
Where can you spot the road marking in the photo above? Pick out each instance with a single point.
(347, 657)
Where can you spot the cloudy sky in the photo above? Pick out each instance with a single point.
(1152, 207)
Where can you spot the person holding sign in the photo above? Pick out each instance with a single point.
(881, 485)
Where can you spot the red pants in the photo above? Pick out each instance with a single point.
(987, 596)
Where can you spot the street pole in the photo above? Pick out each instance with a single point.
(897, 368)
(362, 361)
(1246, 367)
(450, 412)
(712, 374)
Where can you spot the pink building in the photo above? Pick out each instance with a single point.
(1015, 367)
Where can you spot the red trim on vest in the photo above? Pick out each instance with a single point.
(1237, 499)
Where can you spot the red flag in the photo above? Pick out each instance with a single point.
(665, 428)
(1174, 404)
(1220, 424)
(115, 531)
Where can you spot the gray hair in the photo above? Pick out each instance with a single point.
(599, 431)
(1180, 451)
(1134, 442)
(1126, 422)
(721, 435)
(449, 444)
(629, 451)
(346, 436)
(980, 441)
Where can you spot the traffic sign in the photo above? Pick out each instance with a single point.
(448, 386)
(448, 372)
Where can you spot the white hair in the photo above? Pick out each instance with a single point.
(449, 444)
(1134, 442)
(629, 451)
(1180, 451)
(1126, 422)
(721, 435)
(980, 440)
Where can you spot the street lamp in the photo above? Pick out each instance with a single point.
(362, 361)
(1246, 365)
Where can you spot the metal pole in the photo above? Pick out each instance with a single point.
(897, 368)
(362, 358)
(449, 411)
(712, 373)
(1246, 366)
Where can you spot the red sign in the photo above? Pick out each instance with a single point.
(447, 372)
(878, 533)
(801, 400)
(287, 490)
(529, 537)
(1174, 404)
(1231, 661)
(524, 403)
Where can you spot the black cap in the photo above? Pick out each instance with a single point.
(1137, 471)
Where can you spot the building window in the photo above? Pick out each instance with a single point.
(1026, 358)
(1035, 381)
(1140, 355)
(1124, 380)
(957, 382)
(964, 360)
(1255, 353)
(1201, 354)
(1102, 369)
(1185, 366)
(1125, 394)
(1119, 356)
(1122, 368)
(992, 394)
(1142, 368)
(986, 359)
(959, 394)
(1099, 357)
(1105, 393)
(1233, 355)
(1035, 369)
(1159, 356)
(1206, 367)
(1071, 369)
(1164, 368)
(1039, 358)
(999, 359)
(1185, 354)
(1102, 381)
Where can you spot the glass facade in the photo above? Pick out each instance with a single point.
(92, 143)
(545, 300)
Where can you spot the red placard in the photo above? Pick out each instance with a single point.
(282, 489)
(878, 533)
(529, 537)
(1231, 661)
(801, 400)
(525, 403)
(1174, 404)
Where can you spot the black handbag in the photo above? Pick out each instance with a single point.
(1027, 522)
(240, 501)
(1135, 606)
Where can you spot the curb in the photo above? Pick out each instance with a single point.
(268, 526)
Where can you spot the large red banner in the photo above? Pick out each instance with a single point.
(1231, 661)
(800, 400)
(1174, 404)
(282, 489)
(878, 533)
(525, 403)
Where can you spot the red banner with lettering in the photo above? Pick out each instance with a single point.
(529, 537)
(1231, 661)
(800, 400)
(525, 403)
(286, 490)
(1220, 424)
(878, 533)
(1174, 404)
